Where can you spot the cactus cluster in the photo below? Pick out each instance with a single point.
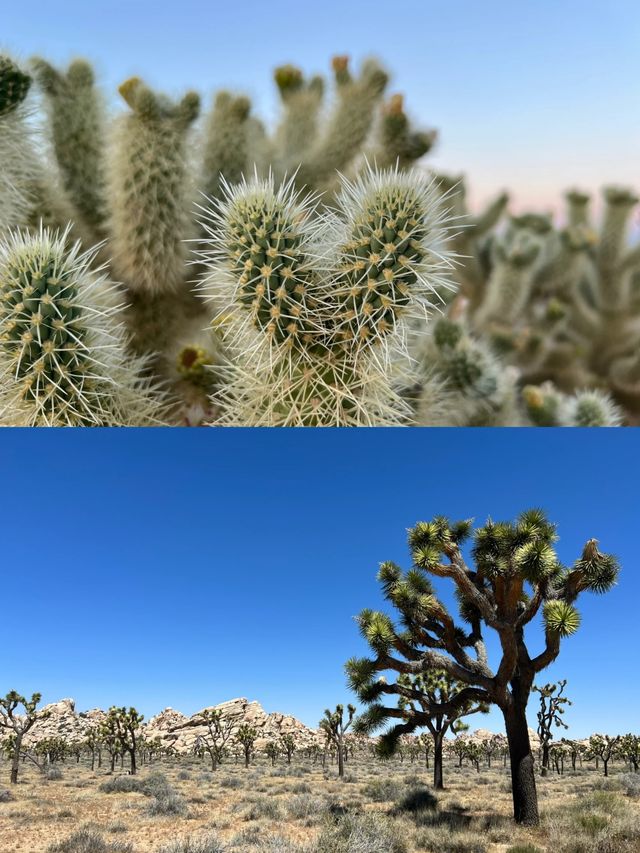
(336, 292)
(317, 308)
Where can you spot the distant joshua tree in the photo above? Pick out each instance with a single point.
(428, 699)
(551, 710)
(516, 576)
(334, 726)
(17, 725)
(219, 732)
(272, 751)
(603, 747)
(246, 736)
(629, 748)
(289, 745)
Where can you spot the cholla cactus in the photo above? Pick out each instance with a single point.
(317, 309)
(78, 129)
(62, 350)
(150, 194)
(463, 382)
(546, 406)
(225, 149)
(17, 152)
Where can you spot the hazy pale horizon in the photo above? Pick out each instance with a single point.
(534, 99)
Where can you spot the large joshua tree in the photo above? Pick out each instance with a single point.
(428, 700)
(517, 575)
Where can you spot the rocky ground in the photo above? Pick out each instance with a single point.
(178, 805)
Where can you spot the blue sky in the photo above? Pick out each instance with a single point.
(529, 96)
(187, 567)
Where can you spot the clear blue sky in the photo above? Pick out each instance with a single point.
(189, 567)
(531, 96)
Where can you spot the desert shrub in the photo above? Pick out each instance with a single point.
(301, 788)
(629, 783)
(444, 841)
(156, 785)
(192, 844)
(123, 785)
(263, 807)
(53, 774)
(303, 807)
(231, 782)
(88, 841)
(167, 804)
(382, 790)
(524, 848)
(184, 775)
(6, 796)
(368, 833)
(416, 800)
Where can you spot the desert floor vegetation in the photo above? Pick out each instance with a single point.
(180, 806)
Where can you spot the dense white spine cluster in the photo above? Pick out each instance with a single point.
(63, 359)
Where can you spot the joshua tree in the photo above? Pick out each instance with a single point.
(289, 745)
(575, 749)
(18, 724)
(246, 736)
(629, 747)
(473, 752)
(219, 731)
(425, 744)
(517, 574)
(334, 725)
(125, 725)
(603, 746)
(493, 746)
(93, 742)
(272, 751)
(550, 713)
(427, 699)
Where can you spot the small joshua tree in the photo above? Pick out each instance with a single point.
(334, 726)
(272, 751)
(425, 744)
(246, 736)
(17, 725)
(289, 745)
(127, 724)
(93, 743)
(574, 749)
(428, 699)
(473, 752)
(603, 747)
(552, 704)
(629, 748)
(517, 575)
(219, 731)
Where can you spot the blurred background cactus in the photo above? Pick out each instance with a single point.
(344, 282)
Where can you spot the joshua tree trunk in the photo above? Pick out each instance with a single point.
(523, 782)
(438, 782)
(605, 761)
(134, 769)
(340, 759)
(545, 759)
(15, 760)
